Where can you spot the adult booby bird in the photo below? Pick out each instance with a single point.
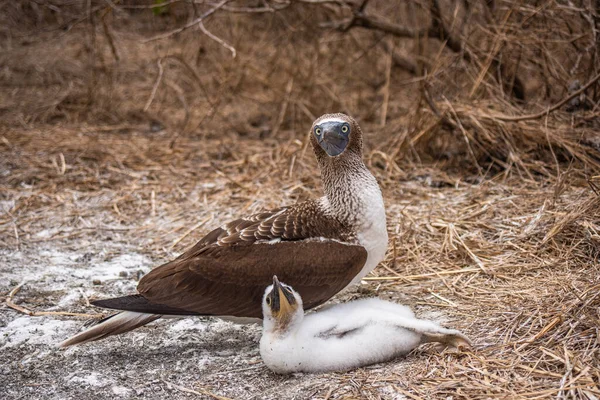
(320, 246)
(343, 336)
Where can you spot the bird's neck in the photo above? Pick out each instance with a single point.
(349, 187)
(283, 327)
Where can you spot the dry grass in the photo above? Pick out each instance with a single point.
(119, 65)
(529, 290)
(492, 199)
(513, 263)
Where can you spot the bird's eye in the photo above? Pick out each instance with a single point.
(318, 131)
(344, 129)
(268, 301)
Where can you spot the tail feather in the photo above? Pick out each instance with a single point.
(114, 325)
(140, 304)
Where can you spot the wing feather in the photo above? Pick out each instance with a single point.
(227, 271)
(231, 280)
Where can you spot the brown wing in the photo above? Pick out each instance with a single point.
(231, 280)
(236, 229)
(300, 221)
(227, 271)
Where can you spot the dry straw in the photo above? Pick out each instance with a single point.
(482, 129)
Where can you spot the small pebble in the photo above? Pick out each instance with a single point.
(97, 282)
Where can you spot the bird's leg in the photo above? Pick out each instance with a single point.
(449, 339)
(430, 331)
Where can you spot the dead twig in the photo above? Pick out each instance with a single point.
(11, 304)
(386, 88)
(441, 115)
(421, 276)
(557, 320)
(200, 392)
(16, 232)
(284, 106)
(155, 87)
(197, 21)
(549, 110)
(192, 229)
(217, 39)
(437, 28)
(108, 35)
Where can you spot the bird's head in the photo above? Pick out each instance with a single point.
(282, 307)
(336, 134)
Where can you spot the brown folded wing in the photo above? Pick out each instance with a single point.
(301, 221)
(231, 280)
(227, 271)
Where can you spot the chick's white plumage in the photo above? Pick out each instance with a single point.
(343, 336)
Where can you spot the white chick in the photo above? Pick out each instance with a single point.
(343, 336)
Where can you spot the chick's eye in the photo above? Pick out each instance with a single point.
(268, 301)
(344, 129)
(318, 131)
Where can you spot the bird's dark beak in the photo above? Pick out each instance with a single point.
(276, 283)
(332, 140)
(283, 301)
